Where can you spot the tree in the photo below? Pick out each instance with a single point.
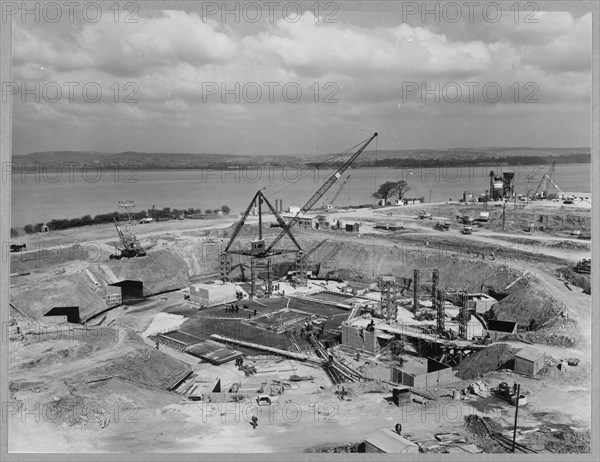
(208, 211)
(225, 209)
(401, 189)
(391, 188)
(28, 229)
(14, 232)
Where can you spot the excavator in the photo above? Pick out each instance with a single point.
(131, 246)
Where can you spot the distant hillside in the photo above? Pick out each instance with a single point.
(382, 158)
(462, 153)
(146, 160)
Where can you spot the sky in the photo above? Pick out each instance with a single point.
(305, 84)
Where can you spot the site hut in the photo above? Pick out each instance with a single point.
(210, 295)
(304, 221)
(419, 376)
(529, 361)
(387, 441)
(352, 227)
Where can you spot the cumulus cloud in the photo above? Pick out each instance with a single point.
(171, 57)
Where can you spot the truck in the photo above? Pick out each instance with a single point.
(484, 216)
(467, 229)
(442, 226)
(424, 215)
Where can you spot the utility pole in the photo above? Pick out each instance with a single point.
(430, 196)
(516, 414)
(503, 215)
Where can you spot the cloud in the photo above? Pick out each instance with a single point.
(171, 57)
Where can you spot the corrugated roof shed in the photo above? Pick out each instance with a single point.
(390, 442)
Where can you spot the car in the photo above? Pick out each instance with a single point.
(146, 220)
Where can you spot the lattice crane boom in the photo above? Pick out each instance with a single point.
(320, 192)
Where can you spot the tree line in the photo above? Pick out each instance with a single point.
(87, 220)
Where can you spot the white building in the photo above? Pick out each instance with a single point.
(212, 294)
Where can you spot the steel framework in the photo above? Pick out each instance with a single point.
(389, 292)
(418, 283)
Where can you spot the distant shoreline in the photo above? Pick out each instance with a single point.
(32, 167)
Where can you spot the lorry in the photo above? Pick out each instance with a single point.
(442, 226)
(467, 229)
(484, 216)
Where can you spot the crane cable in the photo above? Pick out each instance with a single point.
(372, 236)
(318, 166)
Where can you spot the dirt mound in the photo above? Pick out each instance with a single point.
(564, 375)
(143, 364)
(481, 426)
(342, 448)
(526, 302)
(494, 357)
(574, 278)
(65, 290)
(557, 332)
(364, 261)
(561, 439)
(160, 271)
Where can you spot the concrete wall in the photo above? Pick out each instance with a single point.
(438, 374)
(351, 336)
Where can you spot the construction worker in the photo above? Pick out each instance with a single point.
(398, 428)
(254, 311)
(254, 422)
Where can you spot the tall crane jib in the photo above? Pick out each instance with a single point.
(320, 192)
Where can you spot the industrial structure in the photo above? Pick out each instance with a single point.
(261, 253)
(131, 247)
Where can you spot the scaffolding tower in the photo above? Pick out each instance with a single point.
(439, 302)
(261, 268)
(418, 283)
(300, 268)
(461, 298)
(389, 293)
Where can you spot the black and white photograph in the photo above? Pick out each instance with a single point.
(261, 229)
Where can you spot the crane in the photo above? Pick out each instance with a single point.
(544, 184)
(131, 247)
(339, 190)
(320, 192)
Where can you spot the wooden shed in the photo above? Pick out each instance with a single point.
(529, 361)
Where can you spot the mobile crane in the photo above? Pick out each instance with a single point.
(131, 246)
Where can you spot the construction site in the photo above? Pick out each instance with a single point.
(457, 327)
